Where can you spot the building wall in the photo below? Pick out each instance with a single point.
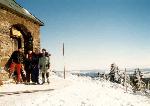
(7, 19)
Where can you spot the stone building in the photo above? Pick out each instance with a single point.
(18, 28)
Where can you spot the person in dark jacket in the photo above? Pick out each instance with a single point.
(17, 59)
(28, 66)
(35, 63)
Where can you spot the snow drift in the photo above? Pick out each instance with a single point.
(73, 91)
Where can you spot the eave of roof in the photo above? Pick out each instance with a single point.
(15, 7)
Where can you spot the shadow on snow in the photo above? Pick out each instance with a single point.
(22, 92)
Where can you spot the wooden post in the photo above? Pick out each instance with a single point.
(125, 79)
(64, 61)
(64, 72)
(148, 85)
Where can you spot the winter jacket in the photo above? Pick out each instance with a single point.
(44, 63)
(28, 62)
(17, 57)
(35, 59)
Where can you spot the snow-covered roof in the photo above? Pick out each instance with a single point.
(12, 5)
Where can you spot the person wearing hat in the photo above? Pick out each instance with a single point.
(44, 65)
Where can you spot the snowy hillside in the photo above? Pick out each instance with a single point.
(73, 91)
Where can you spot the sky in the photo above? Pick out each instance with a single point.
(96, 33)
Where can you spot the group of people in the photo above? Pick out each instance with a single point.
(33, 63)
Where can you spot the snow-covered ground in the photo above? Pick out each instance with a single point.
(73, 91)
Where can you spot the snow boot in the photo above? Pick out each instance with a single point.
(11, 75)
(43, 78)
(47, 76)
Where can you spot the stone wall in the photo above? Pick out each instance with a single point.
(7, 20)
(4, 76)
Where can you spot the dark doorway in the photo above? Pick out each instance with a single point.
(21, 37)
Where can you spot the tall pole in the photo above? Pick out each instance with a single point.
(148, 85)
(64, 61)
(126, 79)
